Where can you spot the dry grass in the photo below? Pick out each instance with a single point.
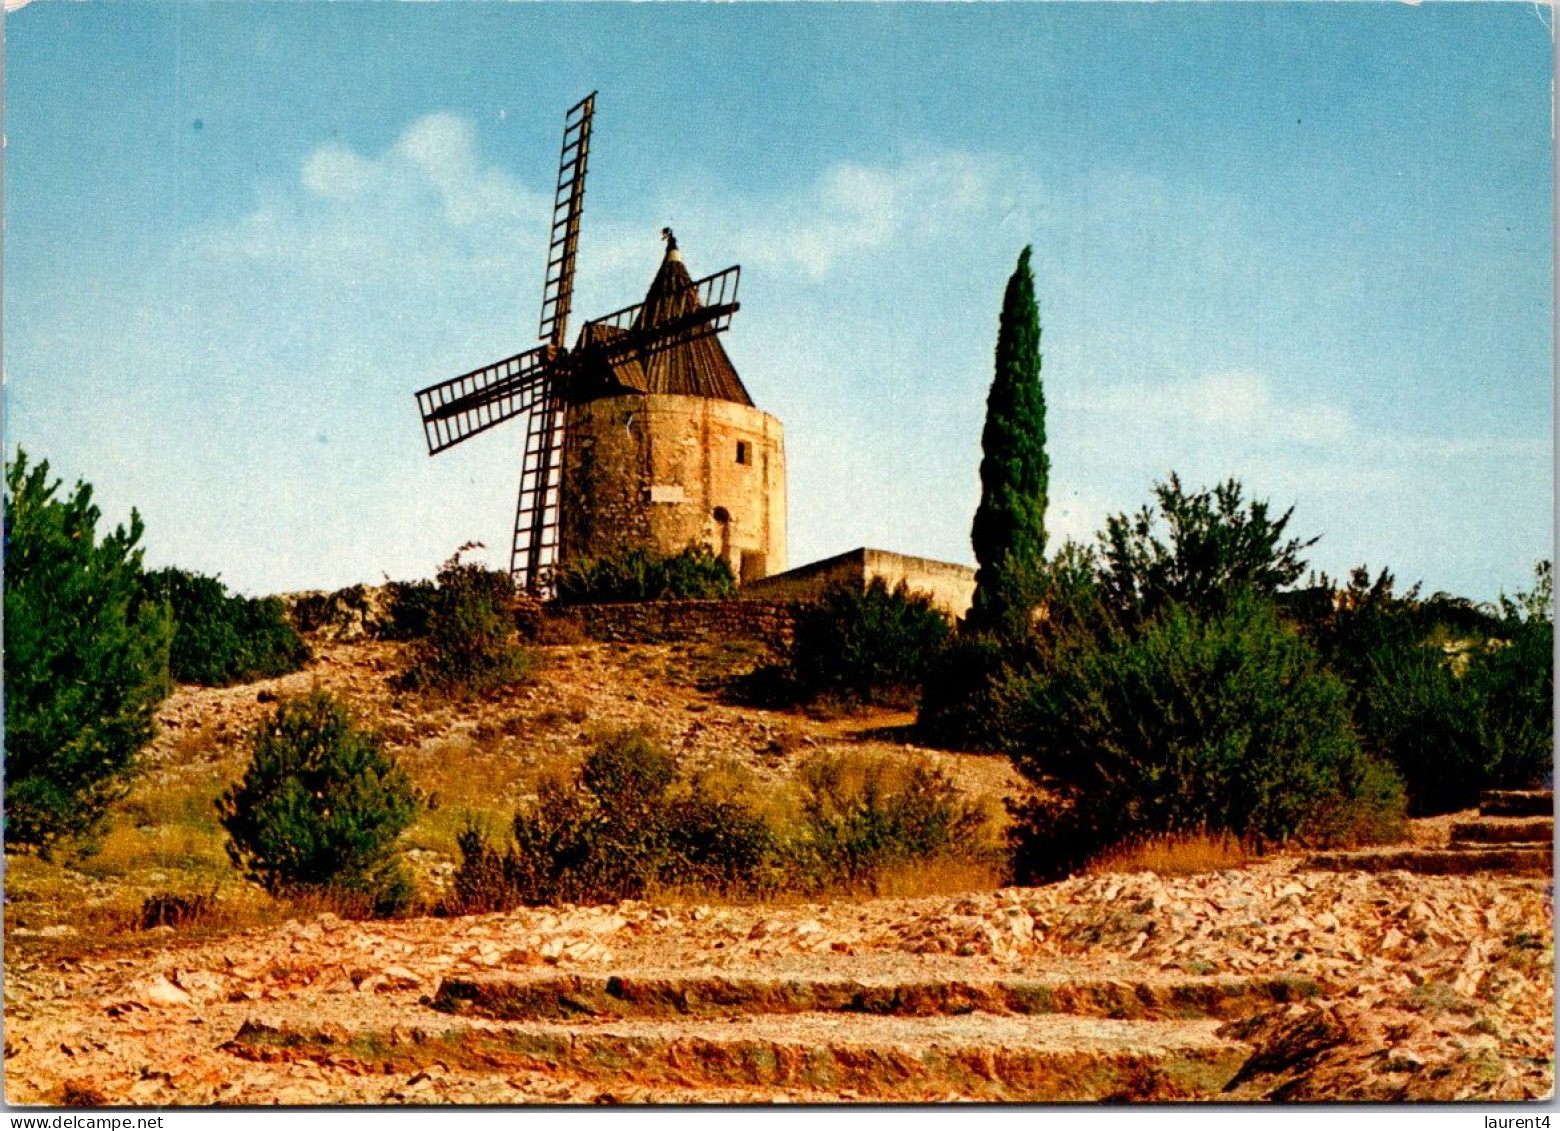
(162, 826)
(47, 893)
(939, 877)
(164, 838)
(481, 776)
(1175, 854)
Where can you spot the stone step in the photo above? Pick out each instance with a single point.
(1506, 860)
(1504, 830)
(807, 1057)
(665, 995)
(1517, 803)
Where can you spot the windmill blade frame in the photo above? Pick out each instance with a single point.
(533, 552)
(623, 332)
(459, 408)
(568, 208)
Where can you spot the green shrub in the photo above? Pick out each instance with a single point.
(1200, 549)
(320, 808)
(625, 826)
(1218, 722)
(1514, 682)
(695, 573)
(867, 645)
(1458, 699)
(1413, 708)
(221, 639)
(974, 684)
(471, 646)
(412, 605)
(969, 693)
(86, 658)
(861, 820)
(718, 843)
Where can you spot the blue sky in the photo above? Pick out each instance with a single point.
(1309, 246)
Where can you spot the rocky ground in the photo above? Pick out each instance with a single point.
(1267, 983)
(1275, 981)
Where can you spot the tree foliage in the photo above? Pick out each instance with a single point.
(1459, 698)
(974, 684)
(221, 638)
(1009, 529)
(1198, 548)
(1217, 721)
(320, 806)
(1517, 685)
(86, 657)
(470, 644)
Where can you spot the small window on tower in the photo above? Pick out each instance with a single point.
(744, 452)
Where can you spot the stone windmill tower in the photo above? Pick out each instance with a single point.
(642, 435)
(667, 449)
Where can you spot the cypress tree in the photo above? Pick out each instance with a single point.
(1009, 530)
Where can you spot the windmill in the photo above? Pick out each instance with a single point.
(543, 383)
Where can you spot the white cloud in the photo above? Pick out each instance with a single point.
(426, 204)
(1237, 407)
(336, 172)
(856, 208)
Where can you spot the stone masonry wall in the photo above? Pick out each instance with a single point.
(950, 586)
(663, 472)
(662, 622)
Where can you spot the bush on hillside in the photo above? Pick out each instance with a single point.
(868, 645)
(627, 825)
(1217, 722)
(1515, 684)
(412, 605)
(969, 692)
(863, 820)
(86, 658)
(471, 646)
(623, 827)
(220, 638)
(1457, 698)
(973, 685)
(692, 574)
(320, 808)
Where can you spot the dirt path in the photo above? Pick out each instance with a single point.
(1265, 983)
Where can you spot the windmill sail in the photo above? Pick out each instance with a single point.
(459, 408)
(538, 513)
(534, 549)
(668, 343)
(568, 206)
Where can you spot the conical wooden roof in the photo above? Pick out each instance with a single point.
(698, 368)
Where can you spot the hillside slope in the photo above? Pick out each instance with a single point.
(1272, 982)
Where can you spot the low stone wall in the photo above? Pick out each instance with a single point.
(665, 622)
(950, 586)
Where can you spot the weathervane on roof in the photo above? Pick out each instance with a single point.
(656, 346)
